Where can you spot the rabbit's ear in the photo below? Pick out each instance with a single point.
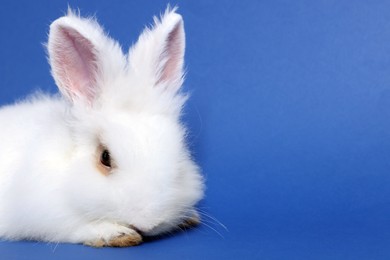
(74, 56)
(159, 51)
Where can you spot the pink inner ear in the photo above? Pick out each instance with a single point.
(75, 64)
(174, 54)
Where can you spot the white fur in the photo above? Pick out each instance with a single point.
(50, 187)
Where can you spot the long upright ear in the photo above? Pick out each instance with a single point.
(73, 48)
(159, 51)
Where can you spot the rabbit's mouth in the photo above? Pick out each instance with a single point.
(165, 227)
(136, 229)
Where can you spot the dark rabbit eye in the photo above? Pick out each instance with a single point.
(105, 158)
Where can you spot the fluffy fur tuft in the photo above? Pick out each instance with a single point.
(51, 182)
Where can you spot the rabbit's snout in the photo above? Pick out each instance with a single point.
(136, 229)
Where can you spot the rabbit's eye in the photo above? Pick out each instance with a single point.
(104, 162)
(105, 158)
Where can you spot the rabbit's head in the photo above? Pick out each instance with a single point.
(128, 161)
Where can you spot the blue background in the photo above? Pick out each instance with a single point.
(289, 119)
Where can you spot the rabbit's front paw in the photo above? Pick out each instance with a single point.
(114, 235)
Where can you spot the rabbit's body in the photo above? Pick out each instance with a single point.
(32, 168)
(109, 161)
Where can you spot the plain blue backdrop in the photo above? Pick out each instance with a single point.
(289, 118)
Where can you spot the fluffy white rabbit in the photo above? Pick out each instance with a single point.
(106, 162)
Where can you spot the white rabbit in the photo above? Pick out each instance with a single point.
(106, 162)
